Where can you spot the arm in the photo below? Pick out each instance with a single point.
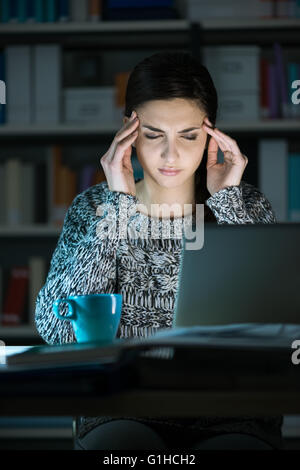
(243, 204)
(82, 263)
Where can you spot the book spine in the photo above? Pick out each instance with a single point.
(13, 11)
(22, 11)
(294, 187)
(293, 77)
(2, 196)
(15, 298)
(273, 174)
(40, 205)
(282, 80)
(264, 101)
(2, 89)
(95, 10)
(18, 67)
(47, 79)
(39, 11)
(63, 10)
(79, 10)
(86, 177)
(5, 11)
(27, 200)
(13, 173)
(30, 11)
(272, 92)
(51, 11)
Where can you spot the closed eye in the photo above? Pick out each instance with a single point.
(192, 137)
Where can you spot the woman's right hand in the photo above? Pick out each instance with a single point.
(116, 162)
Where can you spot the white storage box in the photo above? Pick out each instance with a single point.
(89, 105)
(197, 10)
(233, 68)
(239, 106)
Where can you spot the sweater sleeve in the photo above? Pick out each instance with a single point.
(243, 204)
(83, 262)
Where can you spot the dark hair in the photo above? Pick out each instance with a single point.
(176, 74)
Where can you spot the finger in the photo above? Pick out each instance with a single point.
(127, 129)
(116, 151)
(229, 140)
(212, 153)
(234, 148)
(224, 144)
(122, 146)
(232, 143)
(121, 134)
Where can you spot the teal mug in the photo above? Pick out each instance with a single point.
(94, 317)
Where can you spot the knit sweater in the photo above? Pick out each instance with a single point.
(92, 255)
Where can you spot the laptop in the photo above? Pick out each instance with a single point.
(242, 274)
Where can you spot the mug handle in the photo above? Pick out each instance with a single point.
(71, 315)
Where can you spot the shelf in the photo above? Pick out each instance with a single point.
(29, 230)
(271, 125)
(250, 23)
(97, 27)
(147, 25)
(26, 331)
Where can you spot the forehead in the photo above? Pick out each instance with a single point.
(171, 111)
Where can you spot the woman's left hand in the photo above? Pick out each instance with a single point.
(228, 173)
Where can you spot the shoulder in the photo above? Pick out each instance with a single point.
(83, 209)
(93, 195)
(97, 201)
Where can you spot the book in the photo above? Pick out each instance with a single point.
(294, 188)
(280, 67)
(19, 79)
(39, 11)
(28, 200)
(79, 10)
(63, 10)
(47, 79)
(95, 10)
(273, 174)
(67, 354)
(262, 338)
(13, 191)
(51, 11)
(16, 296)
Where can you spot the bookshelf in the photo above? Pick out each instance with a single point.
(69, 130)
(116, 36)
(207, 24)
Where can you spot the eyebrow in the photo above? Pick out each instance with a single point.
(179, 132)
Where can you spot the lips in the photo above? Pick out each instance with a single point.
(169, 172)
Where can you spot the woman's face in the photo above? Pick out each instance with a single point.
(169, 147)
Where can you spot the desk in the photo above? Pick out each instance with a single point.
(158, 402)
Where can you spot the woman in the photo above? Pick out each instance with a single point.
(167, 94)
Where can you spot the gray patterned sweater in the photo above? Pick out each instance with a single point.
(145, 272)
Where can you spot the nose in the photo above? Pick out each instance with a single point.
(170, 154)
